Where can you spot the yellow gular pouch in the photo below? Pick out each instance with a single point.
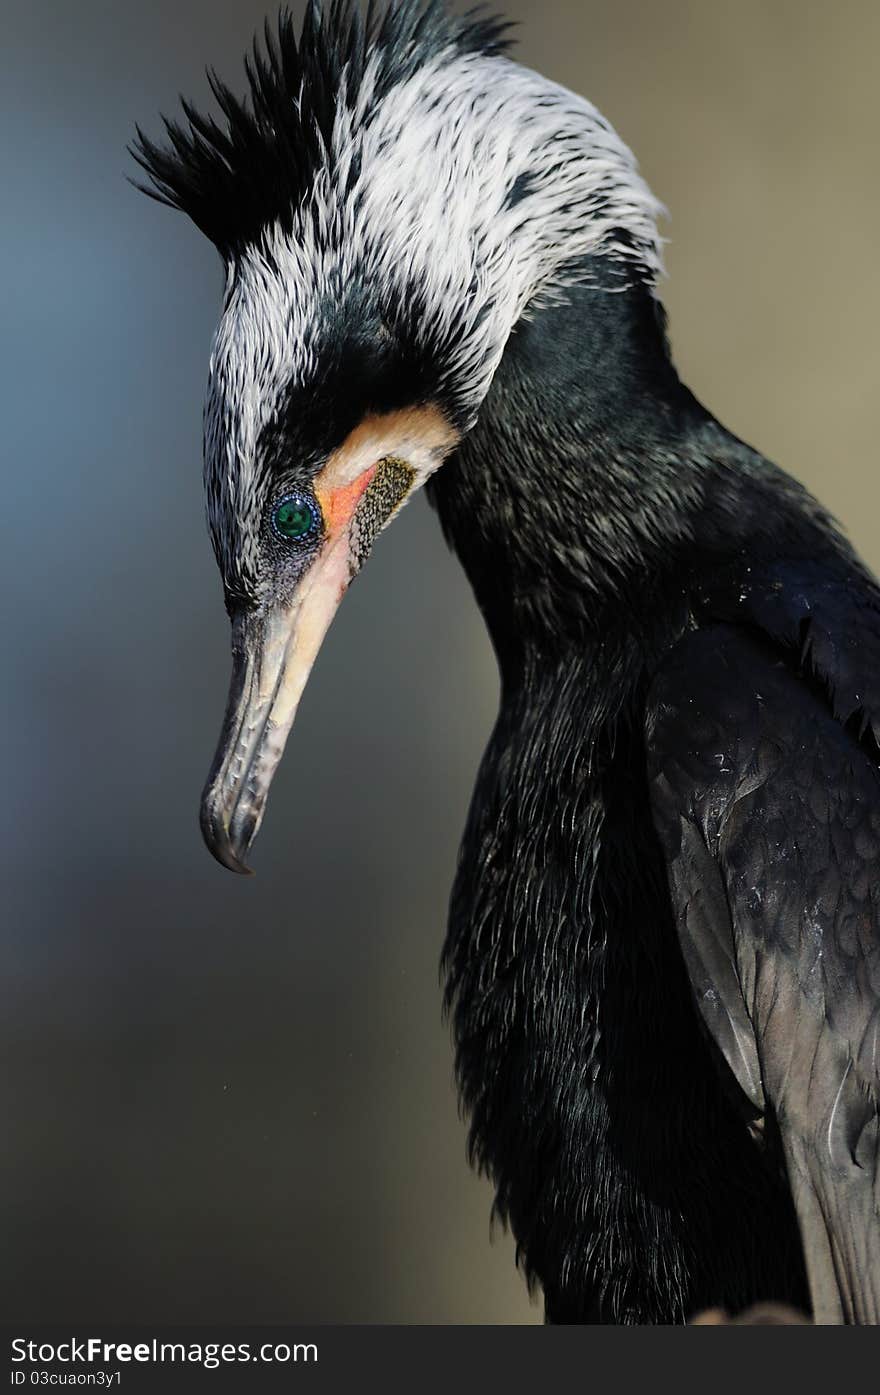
(392, 480)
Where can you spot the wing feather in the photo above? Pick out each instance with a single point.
(769, 812)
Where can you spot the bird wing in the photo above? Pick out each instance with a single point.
(765, 791)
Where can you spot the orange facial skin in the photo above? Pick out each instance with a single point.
(338, 505)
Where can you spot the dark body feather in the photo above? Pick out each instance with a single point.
(662, 961)
(608, 525)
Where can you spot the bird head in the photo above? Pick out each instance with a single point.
(391, 198)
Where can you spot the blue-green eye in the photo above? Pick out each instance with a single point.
(296, 517)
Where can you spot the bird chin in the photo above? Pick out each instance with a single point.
(273, 650)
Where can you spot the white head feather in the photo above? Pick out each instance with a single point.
(475, 185)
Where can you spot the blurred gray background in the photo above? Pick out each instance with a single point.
(229, 1099)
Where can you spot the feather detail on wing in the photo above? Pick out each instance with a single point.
(768, 808)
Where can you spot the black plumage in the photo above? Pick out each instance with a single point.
(663, 963)
(641, 1182)
(236, 178)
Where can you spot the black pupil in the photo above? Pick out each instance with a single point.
(294, 518)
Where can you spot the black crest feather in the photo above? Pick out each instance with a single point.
(234, 176)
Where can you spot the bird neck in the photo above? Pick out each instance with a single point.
(580, 481)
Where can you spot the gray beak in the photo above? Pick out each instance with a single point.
(272, 655)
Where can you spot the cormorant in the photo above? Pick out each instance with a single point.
(662, 962)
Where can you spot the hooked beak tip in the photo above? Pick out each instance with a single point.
(220, 842)
(272, 653)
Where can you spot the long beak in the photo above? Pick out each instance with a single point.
(272, 656)
(359, 489)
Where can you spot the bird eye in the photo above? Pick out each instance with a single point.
(296, 517)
